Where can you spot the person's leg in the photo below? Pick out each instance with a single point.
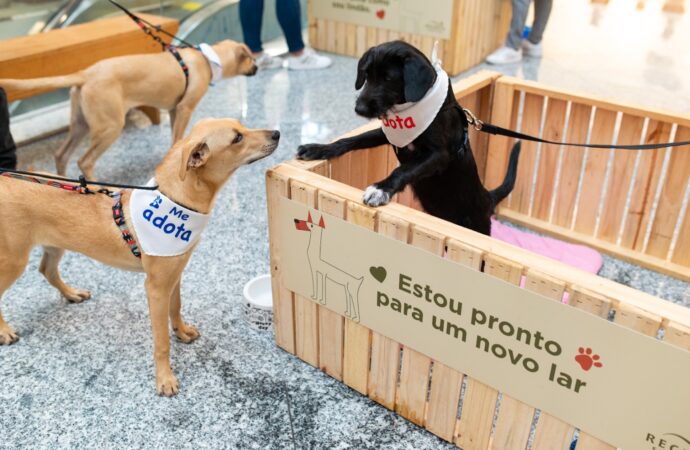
(290, 19)
(517, 23)
(542, 11)
(8, 150)
(251, 16)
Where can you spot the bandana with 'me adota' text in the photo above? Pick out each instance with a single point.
(163, 227)
(404, 123)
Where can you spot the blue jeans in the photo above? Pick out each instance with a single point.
(542, 10)
(288, 12)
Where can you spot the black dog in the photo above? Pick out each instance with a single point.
(438, 164)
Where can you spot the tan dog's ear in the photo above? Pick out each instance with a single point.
(194, 157)
(243, 51)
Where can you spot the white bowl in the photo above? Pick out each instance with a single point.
(258, 304)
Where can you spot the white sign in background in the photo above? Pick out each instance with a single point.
(607, 380)
(425, 18)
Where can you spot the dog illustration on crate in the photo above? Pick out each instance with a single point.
(322, 270)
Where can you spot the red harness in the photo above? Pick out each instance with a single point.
(118, 213)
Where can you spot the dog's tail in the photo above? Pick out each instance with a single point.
(501, 192)
(75, 79)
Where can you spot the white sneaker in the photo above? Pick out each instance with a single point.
(533, 50)
(266, 62)
(308, 60)
(504, 55)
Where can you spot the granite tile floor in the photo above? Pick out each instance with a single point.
(82, 375)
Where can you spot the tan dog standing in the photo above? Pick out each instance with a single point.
(191, 174)
(103, 93)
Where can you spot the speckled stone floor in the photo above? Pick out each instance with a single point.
(82, 375)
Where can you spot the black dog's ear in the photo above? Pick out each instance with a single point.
(419, 77)
(362, 67)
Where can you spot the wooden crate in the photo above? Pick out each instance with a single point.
(629, 204)
(425, 391)
(479, 28)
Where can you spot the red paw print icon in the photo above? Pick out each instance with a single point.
(586, 359)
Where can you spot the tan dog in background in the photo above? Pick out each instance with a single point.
(102, 94)
(191, 174)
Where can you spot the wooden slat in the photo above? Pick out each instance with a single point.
(357, 338)
(446, 382)
(306, 311)
(595, 172)
(71, 49)
(351, 40)
(377, 164)
(361, 40)
(671, 198)
(592, 302)
(551, 433)
(578, 128)
(340, 38)
(385, 353)
(331, 41)
(548, 161)
(658, 132)
(340, 168)
(443, 401)
(644, 187)
(474, 427)
(505, 100)
(514, 417)
(681, 253)
(598, 305)
(637, 319)
(359, 170)
(414, 372)
(677, 335)
(277, 187)
(619, 180)
(331, 327)
(531, 123)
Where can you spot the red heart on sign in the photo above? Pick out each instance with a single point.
(381, 13)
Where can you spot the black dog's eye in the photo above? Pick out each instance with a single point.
(238, 138)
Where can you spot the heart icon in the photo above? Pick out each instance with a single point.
(381, 13)
(379, 273)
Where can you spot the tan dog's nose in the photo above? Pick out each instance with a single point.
(275, 135)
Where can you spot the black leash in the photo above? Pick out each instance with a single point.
(500, 131)
(151, 30)
(81, 181)
(139, 21)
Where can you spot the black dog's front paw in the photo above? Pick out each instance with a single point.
(376, 196)
(310, 152)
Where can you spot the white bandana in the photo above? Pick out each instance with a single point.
(163, 227)
(213, 62)
(404, 123)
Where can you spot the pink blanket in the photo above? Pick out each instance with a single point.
(574, 255)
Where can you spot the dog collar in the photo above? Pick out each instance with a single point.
(213, 62)
(164, 227)
(404, 123)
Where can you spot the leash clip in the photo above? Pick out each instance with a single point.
(472, 119)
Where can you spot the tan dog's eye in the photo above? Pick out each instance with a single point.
(238, 138)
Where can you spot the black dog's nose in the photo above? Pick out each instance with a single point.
(275, 135)
(361, 109)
